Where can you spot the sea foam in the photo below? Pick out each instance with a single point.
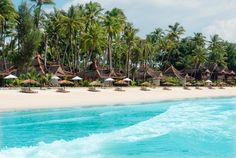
(182, 118)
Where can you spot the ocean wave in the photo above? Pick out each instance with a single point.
(74, 119)
(183, 118)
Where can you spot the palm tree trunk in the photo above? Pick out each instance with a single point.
(110, 52)
(127, 62)
(46, 49)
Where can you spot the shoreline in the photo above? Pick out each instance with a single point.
(13, 100)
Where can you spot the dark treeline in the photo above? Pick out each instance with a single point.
(77, 36)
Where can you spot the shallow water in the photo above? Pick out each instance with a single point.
(204, 128)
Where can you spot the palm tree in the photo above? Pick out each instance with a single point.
(93, 42)
(8, 17)
(217, 54)
(199, 57)
(129, 36)
(175, 31)
(69, 26)
(93, 12)
(38, 8)
(114, 22)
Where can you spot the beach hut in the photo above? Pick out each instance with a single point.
(173, 72)
(146, 73)
(96, 72)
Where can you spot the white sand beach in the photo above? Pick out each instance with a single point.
(14, 100)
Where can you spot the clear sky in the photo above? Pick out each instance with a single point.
(207, 16)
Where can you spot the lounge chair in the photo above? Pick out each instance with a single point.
(93, 89)
(221, 87)
(198, 88)
(119, 89)
(166, 88)
(186, 88)
(27, 90)
(144, 89)
(62, 90)
(210, 87)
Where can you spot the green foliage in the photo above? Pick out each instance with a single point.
(171, 81)
(83, 33)
(28, 38)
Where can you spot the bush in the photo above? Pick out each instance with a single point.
(172, 80)
(84, 83)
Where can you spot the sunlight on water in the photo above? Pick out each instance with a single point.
(194, 128)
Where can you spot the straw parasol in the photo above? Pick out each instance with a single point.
(168, 84)
(121, 83)
(30, 81)
(66, 83)
(76, 78)
(10, 77)
(95, 83)
(146, 84)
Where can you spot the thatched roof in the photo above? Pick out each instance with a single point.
(145, 72)
(29, 81)
(94, 72)
(38, 64)
(8, 71)
(59, 71)
(173, 72)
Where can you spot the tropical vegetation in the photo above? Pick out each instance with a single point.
(85, 32)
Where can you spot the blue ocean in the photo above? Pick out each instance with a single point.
(199, 128)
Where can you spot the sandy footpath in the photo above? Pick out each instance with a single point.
(14, 100)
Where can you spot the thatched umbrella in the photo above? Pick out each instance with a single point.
(66, 83)
(121, 83)
(146, 84)
(95, 84)
(30, 82)
(168, 84)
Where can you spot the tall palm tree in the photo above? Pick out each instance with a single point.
(114, 22)
(217, 54)
(129, 36)
(93, 11)
(175, 31)
(8, 17)
(69, 25)
(93, 42)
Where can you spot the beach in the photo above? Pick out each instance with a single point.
(12, 100)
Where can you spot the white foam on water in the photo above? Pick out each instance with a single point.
(181, 118)
(54, 121)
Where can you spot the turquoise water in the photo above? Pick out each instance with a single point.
(204, 128)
